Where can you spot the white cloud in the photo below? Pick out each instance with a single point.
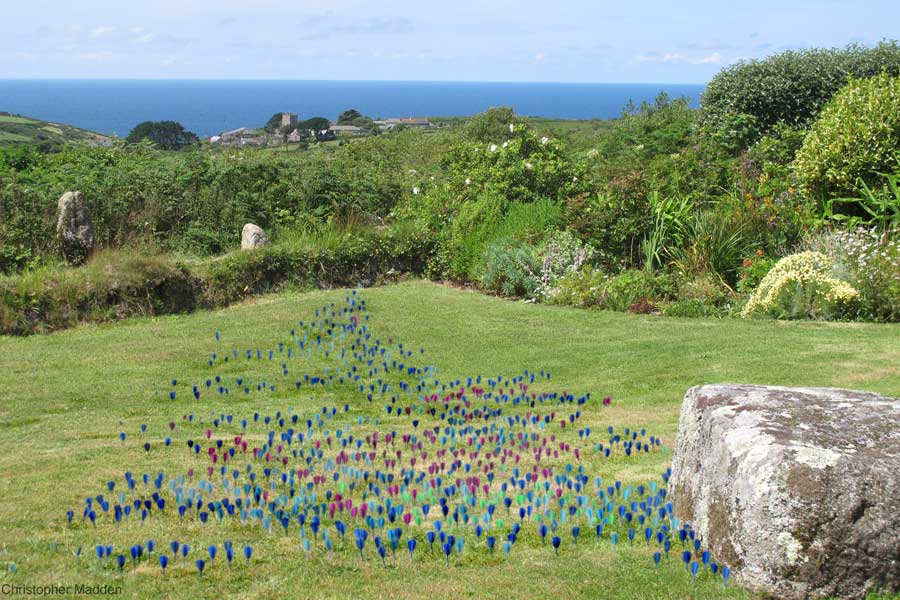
(147, 37)
(540, 56)
(713, 59)
(168, 61)
(136, 30)
(99, 32)
(671, 57)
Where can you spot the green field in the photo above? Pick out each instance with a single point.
(16, 129)
(66, 396)
(14, 119)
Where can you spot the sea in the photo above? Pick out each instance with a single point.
(208, 107)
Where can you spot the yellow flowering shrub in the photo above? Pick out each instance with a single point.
(802, 286)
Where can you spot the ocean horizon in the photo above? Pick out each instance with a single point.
(210, 106)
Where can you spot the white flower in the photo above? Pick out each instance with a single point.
(574, 179)
(528, 166)
(544, 140)
(493, 147)
(505, 144)
(511, 128)
(468, 181)
(415, 191)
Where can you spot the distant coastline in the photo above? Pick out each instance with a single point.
(208, 107)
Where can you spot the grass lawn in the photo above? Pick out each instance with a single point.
(66, 396)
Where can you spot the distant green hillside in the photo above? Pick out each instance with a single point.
(16, 129)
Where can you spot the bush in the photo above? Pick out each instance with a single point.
(869, 260)
(856, 137)
(510, 268)
(752, 272)
(706, 289)
(693, 309)
(714, 242)
(203, 241)
(15, 258)
(802, 286)
(491, 126)
(584, 288)
(564, 253)
(644, 132)
(589, 287)
(790, 87)
(627, 288)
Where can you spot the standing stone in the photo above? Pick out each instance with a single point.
(797, 489)
(252, 236)
(74, 227)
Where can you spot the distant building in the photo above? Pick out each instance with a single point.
(352, 130)
(228, 137)
(388, 124)
(297, 136)
(241, 137)
(289, 120)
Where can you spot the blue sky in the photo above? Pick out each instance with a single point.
(485, 40)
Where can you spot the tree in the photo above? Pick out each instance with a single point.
(274, 123)
(492, 125)
(315, 124)
(350, 117)
(168, 135)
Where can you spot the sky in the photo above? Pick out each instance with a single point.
(648, 41)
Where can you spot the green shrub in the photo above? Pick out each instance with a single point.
(491, 126)
(790, 87)
(589, 287)
(563, 253)
(524, 168)
(463, 243)
(737, 132)
(802, 286)
(643, 132)
(714, 242)
(203, 241)
(583, 288)
(868, 259)
(360, 259)
(627, 288)
(706, 289)
(856, 137)
(15, 258)
(510, 268)
(752, 272)
(693, 309)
